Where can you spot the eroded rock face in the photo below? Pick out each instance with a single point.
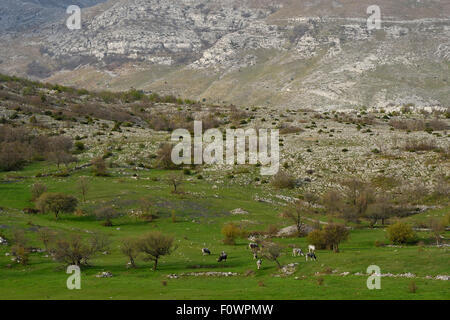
(311, 55)
(163, 32)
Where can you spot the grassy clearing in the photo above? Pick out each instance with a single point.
(201, 212)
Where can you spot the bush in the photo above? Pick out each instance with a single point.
(106, 214)
(12, 156)
(317, 238)
(416, 144)
(282, 180)
(412, 287)
(231, 232)
(330, 237)
(164, 157)
(56, 203)
(400, 233)
(99, 167)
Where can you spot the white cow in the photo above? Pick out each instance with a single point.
(311, 248)
(259, 263)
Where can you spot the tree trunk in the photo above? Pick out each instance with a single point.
(278, 264)
(155, 265)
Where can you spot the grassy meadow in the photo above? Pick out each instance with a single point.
(200, 212)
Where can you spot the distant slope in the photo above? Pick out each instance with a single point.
(293, 54)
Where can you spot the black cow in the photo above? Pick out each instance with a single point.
(206, 251)
(311, 255)
(223, 257)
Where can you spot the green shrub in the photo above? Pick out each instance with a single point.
(56, 203)
(317, 238)
(400, 233)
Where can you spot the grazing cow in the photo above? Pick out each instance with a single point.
(311, 255)
(206, 251)
(297, 252)
(311, 248)
(259, 263)
(223, 257)
(30, 211)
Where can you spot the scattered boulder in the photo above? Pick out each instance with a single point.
(292, 230)
(238, 211)
(289, 269)
(105, 274)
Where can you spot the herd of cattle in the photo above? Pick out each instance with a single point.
(255, 248)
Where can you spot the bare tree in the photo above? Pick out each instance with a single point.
(175, 180)
(47, 236)
(73, 250)
(106, 214)
(83, 187)
(295, 213)
(37, 190)
(272, 252)
(437, 228)
(155, 245)
(129, 248)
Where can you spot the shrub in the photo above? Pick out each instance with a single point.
(19, 249)
(56, 203)
(12, 156)
(99, 167)
(231, 231)
(164, 157)
(400, 233)
(317, 238)
(329, 237)
(334, 235)
(106, 214)
(79, 146)
(416, 144)
(282, 180)
(412, 287)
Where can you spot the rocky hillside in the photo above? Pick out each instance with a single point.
(308, 54)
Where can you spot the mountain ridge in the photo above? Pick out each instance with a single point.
(265, 53)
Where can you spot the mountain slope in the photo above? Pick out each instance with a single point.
(286, 53)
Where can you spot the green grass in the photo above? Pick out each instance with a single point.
(201, 212)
